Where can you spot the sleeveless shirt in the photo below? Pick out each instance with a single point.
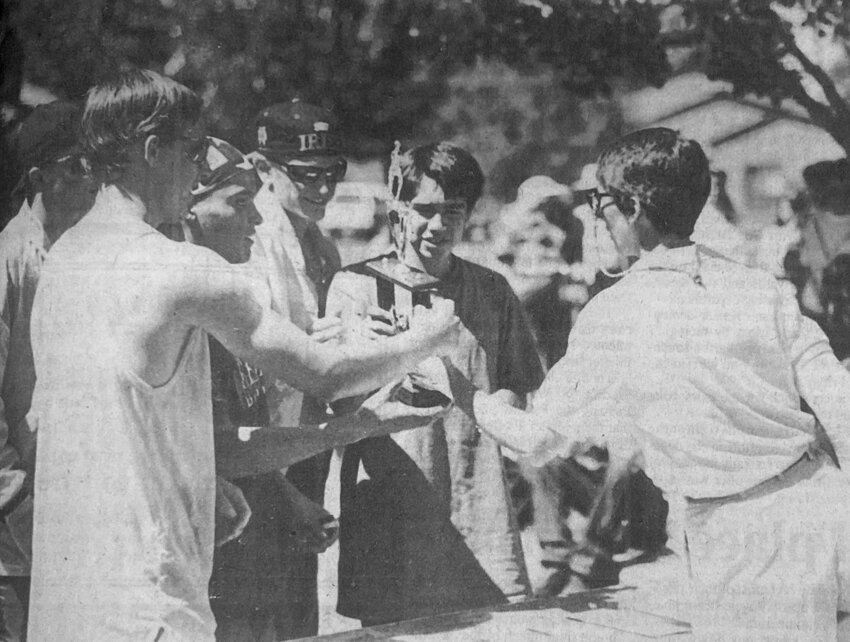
(125, 481)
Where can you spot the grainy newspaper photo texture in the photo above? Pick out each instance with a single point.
(424, 320)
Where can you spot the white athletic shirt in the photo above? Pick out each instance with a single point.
(125, 481)
(279, 261)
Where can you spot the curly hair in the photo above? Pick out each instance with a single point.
(666, 173)
(136, 104)
(453, 168)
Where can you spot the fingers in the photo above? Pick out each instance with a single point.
(379, 323)
(379, 314)
(326, 329)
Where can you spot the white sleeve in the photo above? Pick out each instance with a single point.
(582, 400)
(821, 379)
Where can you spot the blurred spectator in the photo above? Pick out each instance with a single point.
(539, 243)
(836, 297)
(777, 240)
(716, 227)
(825, 227)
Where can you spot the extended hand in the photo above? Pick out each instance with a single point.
(232, 512)
(380, 322)
(313, 528)
(438, 324)
(326, 329)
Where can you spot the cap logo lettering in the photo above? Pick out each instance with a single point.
(262, 136)
(313, 142)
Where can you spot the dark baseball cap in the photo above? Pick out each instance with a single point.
(293, 129)
(48, 133)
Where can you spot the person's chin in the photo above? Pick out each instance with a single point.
(433, 251)
(245, 254)
(313, 211)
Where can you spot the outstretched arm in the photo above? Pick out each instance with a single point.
(220, 299)
(259, 450)
(579, 400)
(520, 430)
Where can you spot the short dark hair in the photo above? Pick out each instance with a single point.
(667, 174)
(454, 169)
(135, 104)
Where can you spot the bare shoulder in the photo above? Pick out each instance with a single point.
(179, 278)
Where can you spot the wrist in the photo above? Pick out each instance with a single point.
(418, 342)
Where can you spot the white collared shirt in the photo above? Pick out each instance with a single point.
(701, 363)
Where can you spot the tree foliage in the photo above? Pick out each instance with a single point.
(756, 45)
(384, 65)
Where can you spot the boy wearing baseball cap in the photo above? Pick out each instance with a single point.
(298, 157)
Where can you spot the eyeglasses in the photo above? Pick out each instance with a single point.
(594, 198)
(312, 174)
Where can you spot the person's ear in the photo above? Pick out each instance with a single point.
(152, 149)
(33, 184)
(637, 209)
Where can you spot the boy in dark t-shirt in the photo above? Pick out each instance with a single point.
(432, 528)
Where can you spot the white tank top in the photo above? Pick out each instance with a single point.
(125, 477)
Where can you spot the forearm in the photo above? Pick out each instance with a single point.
(270, 449)
(517, 429)
(335, 371)
(227, 307)
(267, 450)
(496, 415)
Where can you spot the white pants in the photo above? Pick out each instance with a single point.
(774, 565)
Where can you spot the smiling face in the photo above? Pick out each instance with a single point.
(226, 218)
(315, 179)
(434, 226)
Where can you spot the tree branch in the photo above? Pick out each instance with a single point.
(821, 77)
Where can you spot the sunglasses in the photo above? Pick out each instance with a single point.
(312, 174)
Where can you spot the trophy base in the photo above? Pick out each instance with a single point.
(411, 394)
